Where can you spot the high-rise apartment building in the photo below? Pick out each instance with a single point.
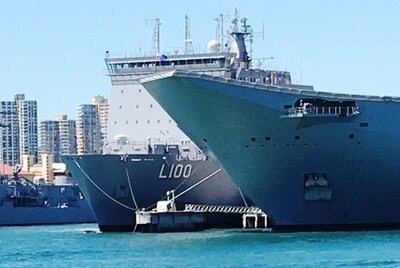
(58, 137)
(88, 137)
(91, 126)
(67, 134)
(19, 131)
(102, 110)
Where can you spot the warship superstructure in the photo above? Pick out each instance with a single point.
(311, 160)
(23, 202)
(147, 155)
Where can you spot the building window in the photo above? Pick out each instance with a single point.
(115, 122)
(151, 105)
(137, 122)
(122, 91)
(126, 122)
(120, 106)
(137, 105)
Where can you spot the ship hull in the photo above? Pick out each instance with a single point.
(245, 127)
(12, 216)
(74, 210)
(117, 185)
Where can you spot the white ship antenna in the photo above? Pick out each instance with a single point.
(219, 31)
(155, 46)
(251, 40)
(188, 40)
(235, 27)
(301, 69)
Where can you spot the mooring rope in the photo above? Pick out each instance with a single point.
(244, 199)
(101, 190)
(198, 183)
(130, 188)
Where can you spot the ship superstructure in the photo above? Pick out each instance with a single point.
(24, 202)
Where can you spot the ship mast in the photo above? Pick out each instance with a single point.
(188, 40)
(219, 31)
(156, 36)
(239, 36)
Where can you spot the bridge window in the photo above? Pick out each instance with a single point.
(364, 124)
(297, 137)
(267, 138)
(351, 136)
(253, 139)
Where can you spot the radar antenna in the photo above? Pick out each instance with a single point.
(235, 27)
(155, 46)
(251, 40)
(188, 40)
(219, 31)
(240, 36)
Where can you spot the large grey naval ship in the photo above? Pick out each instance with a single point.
(26, 202)
(147, 155)
(312, 160)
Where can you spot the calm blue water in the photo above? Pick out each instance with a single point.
(83, 246)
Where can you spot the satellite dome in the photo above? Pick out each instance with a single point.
(214, 46)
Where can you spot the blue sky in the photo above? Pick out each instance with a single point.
(53, 51)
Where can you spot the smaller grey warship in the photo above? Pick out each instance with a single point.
(23, 202)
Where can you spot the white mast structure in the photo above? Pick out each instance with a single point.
(156, 36)
(188, 40)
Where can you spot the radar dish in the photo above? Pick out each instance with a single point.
(214, 46)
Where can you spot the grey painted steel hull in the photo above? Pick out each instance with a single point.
(115, 184)
(80, 212)
(244, 126)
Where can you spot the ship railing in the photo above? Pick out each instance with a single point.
(222, 209)
(184, 149)
(319, 111)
